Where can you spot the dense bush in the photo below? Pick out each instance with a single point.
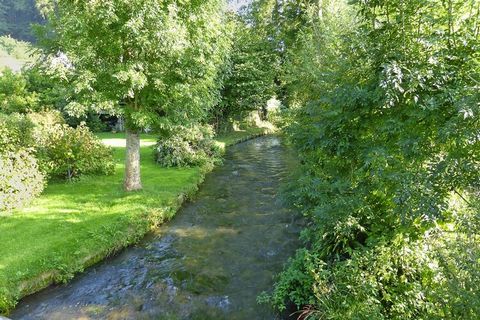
(62, 151)
(15, 95)
(67, 152)
(20, 179)
(387, 133)
(16, 132)
(17, 49)
(187, 146)
(42, 121)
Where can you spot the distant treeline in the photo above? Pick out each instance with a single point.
(16, 18)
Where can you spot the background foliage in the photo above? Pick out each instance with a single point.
(16, 18)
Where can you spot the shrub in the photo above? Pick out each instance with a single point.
(15, 132)
(62, 151)
(67, 152)
(43, 122)
(187, 146)
(15, 95)
(20, 179)
(386, 131)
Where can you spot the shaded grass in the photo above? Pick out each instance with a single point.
(228, 139)
(74, 225)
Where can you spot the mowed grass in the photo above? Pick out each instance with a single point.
(74, 225)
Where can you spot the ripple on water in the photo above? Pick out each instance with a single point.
(210, 262)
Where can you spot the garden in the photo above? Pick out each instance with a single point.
(113, 112)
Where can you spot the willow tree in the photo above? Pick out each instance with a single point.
(155, 62)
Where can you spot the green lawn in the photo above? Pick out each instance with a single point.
(11, 63)
(73, 225)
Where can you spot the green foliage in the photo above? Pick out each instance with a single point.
(160, 59)
(48, 87)
(20, 179)
(67, 152)
(386, 127)
(42, 121)
(15, 95)
(62, 151)
(16, 132)
(187, 146)
(250, 79)
(17, 49)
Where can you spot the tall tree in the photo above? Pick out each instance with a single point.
(155, 62)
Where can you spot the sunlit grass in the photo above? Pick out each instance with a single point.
(72, 222)
(76, 224)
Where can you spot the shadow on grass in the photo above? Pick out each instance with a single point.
(73, 222)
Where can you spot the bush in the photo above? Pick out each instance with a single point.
(15, 95)
(385, 134)
(67, 152)
(62, 151)
(43, 122)
(15, 132)
(187, 146)
(20, 179)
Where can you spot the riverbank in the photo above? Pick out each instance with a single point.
(221, 251)
(75, 225)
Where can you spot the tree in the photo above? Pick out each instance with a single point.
(387, 133)
(250, 80)
(16, 18)
(154, 62)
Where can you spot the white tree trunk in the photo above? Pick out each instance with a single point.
(132, 180)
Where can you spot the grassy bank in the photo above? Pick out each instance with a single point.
(74, 225)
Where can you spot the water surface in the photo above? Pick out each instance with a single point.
(210, 262)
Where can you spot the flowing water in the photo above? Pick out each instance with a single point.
(210, 262)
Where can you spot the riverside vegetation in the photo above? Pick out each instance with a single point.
(379, 98)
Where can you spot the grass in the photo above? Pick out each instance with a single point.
(233, 137)
(74, 225)
(11, 63)
(14, 54)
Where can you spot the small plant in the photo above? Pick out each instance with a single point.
(187, 146)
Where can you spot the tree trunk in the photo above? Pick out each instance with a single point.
(132, 180)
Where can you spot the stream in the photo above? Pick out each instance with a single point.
(211, 261)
